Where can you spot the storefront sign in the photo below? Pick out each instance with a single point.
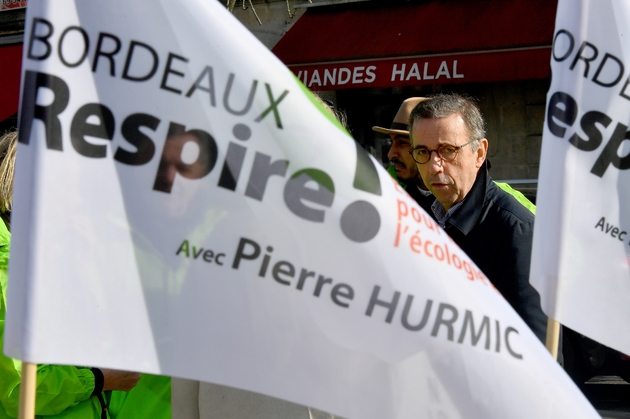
(10, 67)
(12, 4)
(485, 66)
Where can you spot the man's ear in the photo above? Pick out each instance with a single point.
(482, 152)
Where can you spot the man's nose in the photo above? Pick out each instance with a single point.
(435, 162)
(393, 152)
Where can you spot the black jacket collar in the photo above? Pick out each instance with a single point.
(466, 216)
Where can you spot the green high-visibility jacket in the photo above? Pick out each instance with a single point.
(149, 399)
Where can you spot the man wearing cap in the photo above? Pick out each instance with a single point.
(490, 225)
(403, 167)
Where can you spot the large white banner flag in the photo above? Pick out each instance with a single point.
(184, 207)
(581, 254)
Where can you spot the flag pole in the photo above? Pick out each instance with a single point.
(27, 391)
(553, 337)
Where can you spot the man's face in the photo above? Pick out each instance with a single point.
(399, 156)
(451, 181)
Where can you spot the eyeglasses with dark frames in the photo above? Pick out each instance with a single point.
(445, 152)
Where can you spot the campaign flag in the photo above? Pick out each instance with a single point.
(184, 206)
(581, 250)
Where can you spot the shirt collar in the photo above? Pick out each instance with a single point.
(441, 214)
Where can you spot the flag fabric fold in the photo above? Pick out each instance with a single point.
(581, 251)
(183, 207)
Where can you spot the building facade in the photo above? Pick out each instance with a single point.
(369, 56)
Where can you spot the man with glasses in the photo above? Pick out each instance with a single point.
(490, 225)
(403, 168)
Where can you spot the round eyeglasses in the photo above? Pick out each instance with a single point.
(445, 152)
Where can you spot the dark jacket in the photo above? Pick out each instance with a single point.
(496, 232)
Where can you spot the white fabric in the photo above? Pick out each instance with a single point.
(131, 260)
(195, 400)
(581, 253)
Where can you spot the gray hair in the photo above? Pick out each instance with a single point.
(442, 105)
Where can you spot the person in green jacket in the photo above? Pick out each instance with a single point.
(402, 166)
(61, 391)
(150, 399)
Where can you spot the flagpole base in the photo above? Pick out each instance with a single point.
(27, 391)
(553, 337)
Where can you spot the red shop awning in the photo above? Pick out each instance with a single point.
(11, 65)
(447, 41)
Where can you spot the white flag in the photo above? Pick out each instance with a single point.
(184, 207)
(581, 253)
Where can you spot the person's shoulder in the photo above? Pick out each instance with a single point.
(507, 207)
(518, 195)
